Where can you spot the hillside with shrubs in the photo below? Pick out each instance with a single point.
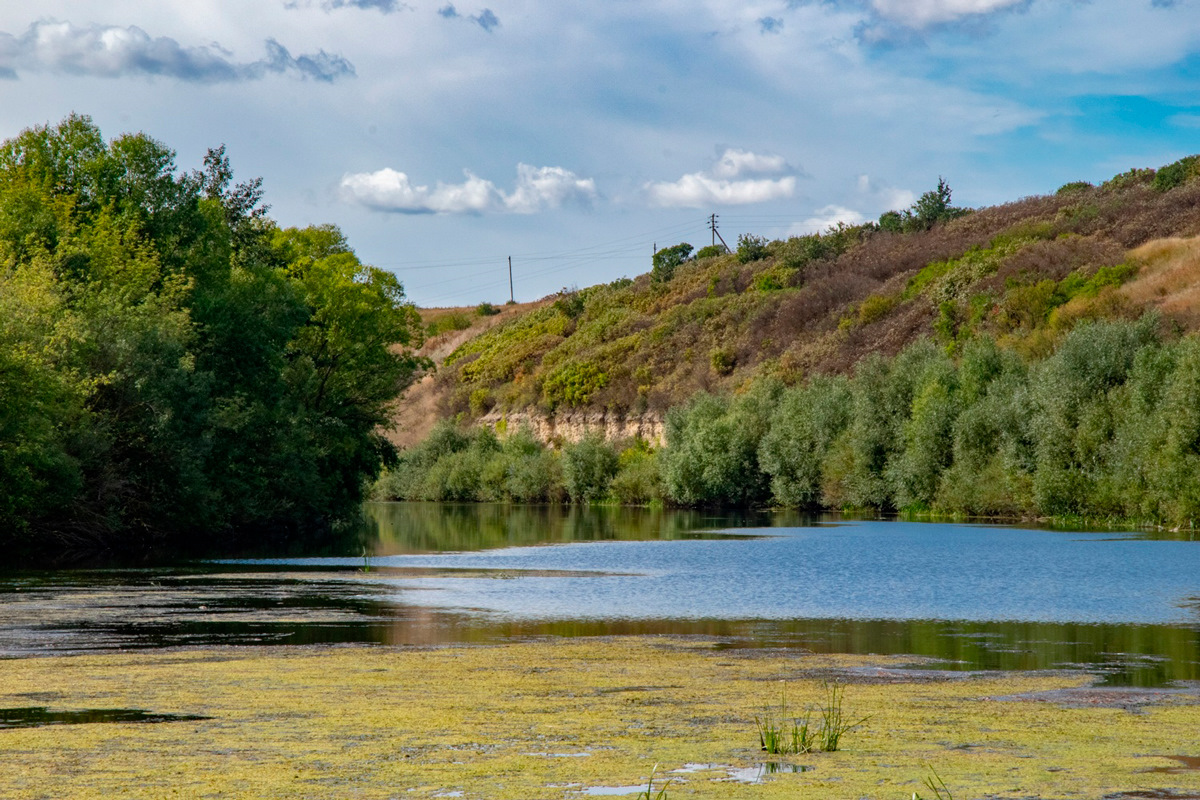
(1031, 359)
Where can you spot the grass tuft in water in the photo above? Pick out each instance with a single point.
(936, 785)
(777, 737)
(834, 724)
(649, 793)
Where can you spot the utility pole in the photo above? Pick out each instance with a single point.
(712, 225)
(511, 298)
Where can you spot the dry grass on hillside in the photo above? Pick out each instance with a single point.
(1168, 279)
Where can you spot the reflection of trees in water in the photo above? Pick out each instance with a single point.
(432, 527)
(1125, 655)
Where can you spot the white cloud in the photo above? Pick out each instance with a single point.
(920, 13)
(884, 196)
(537, 188)
(719, 187)
(825, 218)
(548, 187)
(111, 51)
(733, 163)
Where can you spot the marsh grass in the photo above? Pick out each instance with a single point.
(936, 785)
(649, 793)
(778, 737)
(834, 724)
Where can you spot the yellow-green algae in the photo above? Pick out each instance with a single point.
(498, 722)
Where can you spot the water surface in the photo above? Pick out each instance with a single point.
(1124, 605)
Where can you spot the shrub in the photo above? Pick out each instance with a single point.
(751, 248)
(1176, 174)
(723, 361)
(588, 468)
(712, 448)
(666, 260)
(637, 481)
(803, 427)
(486, 310)
(573, 384)
(1074, 187)
(710, 251)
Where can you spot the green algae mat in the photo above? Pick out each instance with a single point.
(572, 718)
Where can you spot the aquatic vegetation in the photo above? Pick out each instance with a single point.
(777, 737)
(834, 724)
(649, 793)
(935, 784)
(375, 722)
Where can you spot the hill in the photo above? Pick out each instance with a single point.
(1024, 273)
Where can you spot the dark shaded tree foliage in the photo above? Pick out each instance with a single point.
(175, 367)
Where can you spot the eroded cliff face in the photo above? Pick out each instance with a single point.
(571, 426)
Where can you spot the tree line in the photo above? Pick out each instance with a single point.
(174, 366)
(1107, 426)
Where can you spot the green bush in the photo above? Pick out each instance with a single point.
(710, 251)
(589, 466)
(486, 310)
(573, 384)
(711, 455)
(1176, 174)
(751, 248)
(803, 427)
(666, 260)
(637, 482)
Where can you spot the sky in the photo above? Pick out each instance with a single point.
(444, 138)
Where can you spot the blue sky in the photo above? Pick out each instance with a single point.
(444, 137)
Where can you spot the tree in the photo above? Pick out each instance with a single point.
(666, 260)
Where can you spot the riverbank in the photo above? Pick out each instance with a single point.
(554, 718)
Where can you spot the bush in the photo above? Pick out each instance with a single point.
(710, 251)
(588, 468)
(711, 456)
(486, 310)
(1074, 187)
(751, 248)
(665, 262)
(1176, 174)
(803, 428)
(637, 482)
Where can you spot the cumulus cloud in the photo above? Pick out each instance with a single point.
(922, 13)
(725, 184)
(734, 163)
(485, 19)
(111, 51)
(537, 189)
(825, 218)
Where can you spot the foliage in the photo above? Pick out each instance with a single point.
(589, 467)
(1176, 174)
(751, 248)
(666, 261)
(931, 208)
(710, 251)
(174, 364)
(486, 310)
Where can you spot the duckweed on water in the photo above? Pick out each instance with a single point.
(376, 722)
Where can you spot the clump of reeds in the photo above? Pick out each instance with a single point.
(778, 736)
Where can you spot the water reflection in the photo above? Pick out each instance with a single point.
(407, 528)
(427, 564)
